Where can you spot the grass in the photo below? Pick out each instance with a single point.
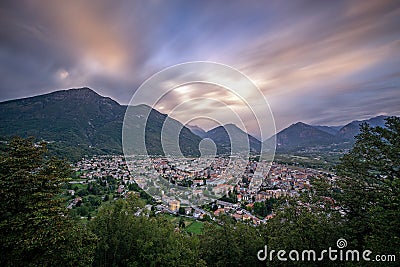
(172, 218)
(195, 227)
(175, 219)
(191, 225)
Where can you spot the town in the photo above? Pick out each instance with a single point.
(244, 190)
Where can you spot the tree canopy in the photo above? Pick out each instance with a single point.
(35, 229)
(369, 192)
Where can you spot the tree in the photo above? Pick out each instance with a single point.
(232, 244)
(35, 229)
(264, 208)
(369, 188)
(303, 223)
(128, 239)
(114, 227)
(362, 205)
(181, 223)
(181, 210)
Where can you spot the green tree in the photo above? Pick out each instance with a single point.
(83, 210)
(129, 239)
(304, 223)
(35, 229)
(114, 227)
(232, 244)
(181, 210)
(369, 188)
(181, 223)
(259, 209)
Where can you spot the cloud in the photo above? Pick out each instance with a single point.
(322, 62)
(299, 67)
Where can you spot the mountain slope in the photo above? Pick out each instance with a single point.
(301, 135)
(333, 130)
(73, 118)
(173, 129)
(79, 122)
(241, 141)
(196, 130)
(351, 129)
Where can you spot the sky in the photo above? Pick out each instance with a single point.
(320, 62)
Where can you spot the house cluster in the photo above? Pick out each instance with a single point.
(100, 169)
(199, 172)
(102, 166)
(279, 181)
(255, 181)
(237, 212)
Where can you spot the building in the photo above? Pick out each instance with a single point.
(174, 205)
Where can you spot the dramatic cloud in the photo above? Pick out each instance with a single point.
(321, 62)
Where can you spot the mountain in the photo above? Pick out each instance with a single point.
(302, 135)
(79, 122)
(350, 130)
(333, 130)
(196, 130)
(76, 121)
(241, 140)
(188, 142)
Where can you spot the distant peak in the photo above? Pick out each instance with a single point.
(193, 126)
(83, 90)
(230, 125)
(144, 107)
(300, 123)
(380, 117)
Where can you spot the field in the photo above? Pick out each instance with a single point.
(191, 225)
(195, 228)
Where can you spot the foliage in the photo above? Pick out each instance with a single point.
(369, 192)
(143, 194)
(35, 229)
(301, 226)
(233, 244)
(264, 208)
(232, 196)
(126, 239)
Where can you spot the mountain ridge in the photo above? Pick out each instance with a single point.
(301, 135)
(230, 138)
(197, 130)
(79, 121)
